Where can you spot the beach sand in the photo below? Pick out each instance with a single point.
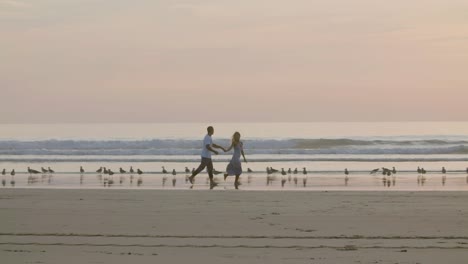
(148, 226)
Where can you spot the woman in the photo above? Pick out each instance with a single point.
(234, 167)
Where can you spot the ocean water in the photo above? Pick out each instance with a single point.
(324, 149)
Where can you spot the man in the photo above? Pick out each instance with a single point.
(206, 161)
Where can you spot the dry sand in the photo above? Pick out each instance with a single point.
(147, 226)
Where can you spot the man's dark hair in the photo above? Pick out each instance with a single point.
(208, 129)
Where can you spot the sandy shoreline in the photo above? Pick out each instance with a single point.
(147, 226)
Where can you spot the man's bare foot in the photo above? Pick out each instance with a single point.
(213, 184)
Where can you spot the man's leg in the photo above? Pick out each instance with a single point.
(198, 170)
(210, 173)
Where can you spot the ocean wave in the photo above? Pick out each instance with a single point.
(255, 146)
(251, 160)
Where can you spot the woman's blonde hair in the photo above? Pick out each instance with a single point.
(236, 138)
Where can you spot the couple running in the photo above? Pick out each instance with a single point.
(234, 167)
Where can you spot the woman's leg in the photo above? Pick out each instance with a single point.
(236, 182)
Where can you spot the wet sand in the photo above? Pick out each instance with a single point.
(162, 226)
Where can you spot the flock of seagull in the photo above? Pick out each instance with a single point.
(388, 175)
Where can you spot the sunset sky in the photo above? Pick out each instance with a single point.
(233, 61)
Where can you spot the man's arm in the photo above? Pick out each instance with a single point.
(208, 147)
(217, 146)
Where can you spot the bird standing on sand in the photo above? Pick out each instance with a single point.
(249, 170)
(139, 172)
(44, 170)
(187, 170)
(444, 170)
(105, 170)
(289, 171)
(12, 173)
(273, 170)
(394, 170)
(31, 171)
(174, 172)
(3, 172)
(304, 171)
(131, 169)
(346, 172)
(374, 171)
(283, 172)
(164, 170)
(295, 171)
(110, 172)
(100, 170)
(50, 170)
(419, 170)
(81, 170)
(122, 171)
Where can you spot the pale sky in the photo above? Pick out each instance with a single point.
(233, 61)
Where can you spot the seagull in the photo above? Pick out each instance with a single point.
(419, 170)
(444, 170)
(164, 170)
(346, 172)
(374, 171)
(110, 172)
(384, 171)
(187, 170)
(44, 170)
(131, 169)
(32, 171)
(12, 173)
(105, 170)
(283, 172)
(81, 170)
(100, 170)
(51, 170)
(273, 170)
(3, 172)
(394, 170)
(122, 171)
(289, 171)
(304, 171)
(139, 172)
(295, 171)
(249, 170)
(268, 171)
(174, 172)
